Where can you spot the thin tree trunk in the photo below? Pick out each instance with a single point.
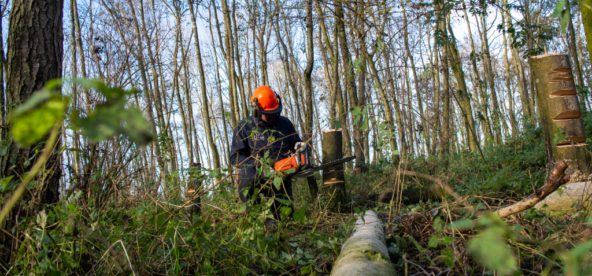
(204, 96)
(308, 105)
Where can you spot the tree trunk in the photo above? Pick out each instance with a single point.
(35, 54)
(574, 55)
(463, 92)
(350, 81)
(445, 140)
(204, 96)
(334, 192)
(409, 56)
(559, 110)
(308, 119)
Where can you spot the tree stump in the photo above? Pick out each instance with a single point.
(333, 188)
(194, 189)
(559, 110)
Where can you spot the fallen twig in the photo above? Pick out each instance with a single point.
(554, 181)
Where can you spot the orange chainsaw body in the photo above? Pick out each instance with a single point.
(289, 163)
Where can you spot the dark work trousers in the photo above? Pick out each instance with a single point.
(247, 179)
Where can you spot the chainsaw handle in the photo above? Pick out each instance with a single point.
(299, 160)
(306, 158)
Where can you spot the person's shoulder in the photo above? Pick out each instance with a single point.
(245, 124)
(285, 123)
(247, 121)
(284, 120)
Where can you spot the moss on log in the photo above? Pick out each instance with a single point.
(333, 188)
(365, 252)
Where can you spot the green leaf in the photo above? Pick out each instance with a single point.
(433, 242)
(438, 225)
(284, 201)
(448, 257)
(277, 182)
(285, 211)
(31, 121)
(461, 224)
(300, 215)
(108, 120)
(558, 8)
(559, 191)
(337, 124)
(364, 125)
(491, 250)
(564, 21)
(306, 269)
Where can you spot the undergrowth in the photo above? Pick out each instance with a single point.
(149, 233)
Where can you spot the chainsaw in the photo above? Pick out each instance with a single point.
(300, 163)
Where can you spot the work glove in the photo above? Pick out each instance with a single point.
(299, 146)
(269, 169)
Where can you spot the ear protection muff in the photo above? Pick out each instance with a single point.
(279, 98)
(256, 108)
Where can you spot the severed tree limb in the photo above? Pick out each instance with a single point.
(433, 179)
(438, 182)
(554, 181)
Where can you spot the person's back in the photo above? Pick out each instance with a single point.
(265, 133)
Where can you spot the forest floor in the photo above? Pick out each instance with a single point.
(143, 235)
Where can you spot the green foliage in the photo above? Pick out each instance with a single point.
(577, 260)
(490, 247)
(32, 120)
(562, 14)
(112, 117)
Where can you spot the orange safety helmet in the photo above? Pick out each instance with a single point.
(266, 100)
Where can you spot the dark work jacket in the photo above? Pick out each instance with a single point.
(251, 139)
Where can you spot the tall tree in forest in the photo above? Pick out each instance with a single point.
(204, 96)
(308, 104)
(409, 56)
(34, 56)
(441, 37)
(463, 94)
(350, 81)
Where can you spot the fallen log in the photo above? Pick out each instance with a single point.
(555, 180)
(364, 252)
(410, 195)
(559, 203)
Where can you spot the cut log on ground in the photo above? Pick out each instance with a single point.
(365, 252)
(555, 180)
(560, 203)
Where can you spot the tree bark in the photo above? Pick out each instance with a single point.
(559, 110)
(308, 119)
(34, 56)
(334, 192)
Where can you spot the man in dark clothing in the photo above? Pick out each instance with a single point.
(265, 133)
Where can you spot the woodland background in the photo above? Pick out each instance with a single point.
(442, 87)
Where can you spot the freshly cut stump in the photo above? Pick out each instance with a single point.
(365, 252)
